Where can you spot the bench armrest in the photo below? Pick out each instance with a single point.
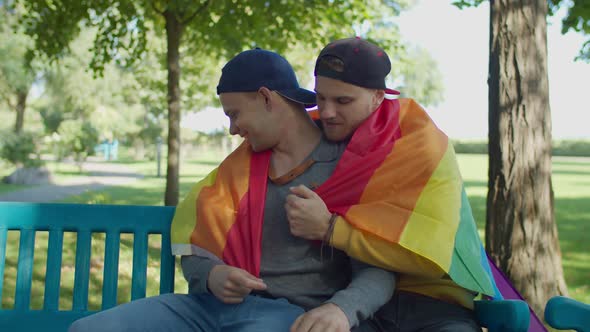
(564, 313)
(503, 315)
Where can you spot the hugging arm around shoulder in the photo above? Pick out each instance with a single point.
(369, 289)
(378, 252)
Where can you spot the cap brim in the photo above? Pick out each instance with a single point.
(301, 96)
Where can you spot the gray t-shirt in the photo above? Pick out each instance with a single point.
(294, 268)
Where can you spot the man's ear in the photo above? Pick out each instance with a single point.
(267, 96)
(378, 97)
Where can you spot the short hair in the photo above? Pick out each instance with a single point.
(331, 62)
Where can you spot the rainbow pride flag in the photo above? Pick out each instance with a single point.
(398, 179)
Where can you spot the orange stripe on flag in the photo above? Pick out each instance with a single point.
(218, 205)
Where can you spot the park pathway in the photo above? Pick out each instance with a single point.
(101, 175)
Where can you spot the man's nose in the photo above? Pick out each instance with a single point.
(327, 111)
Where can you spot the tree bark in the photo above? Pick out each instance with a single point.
(521, 234)
(174, 30)
(21, 105)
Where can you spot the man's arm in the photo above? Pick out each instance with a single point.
(196, 272)
(378, 252)
(369, 289)
(229, 284)
(309, 218)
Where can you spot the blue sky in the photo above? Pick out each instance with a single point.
(458, 41)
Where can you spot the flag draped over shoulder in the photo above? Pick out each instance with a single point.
(398, 179)
(221, 217)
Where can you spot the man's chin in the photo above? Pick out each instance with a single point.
(258, 148)
(335, 136)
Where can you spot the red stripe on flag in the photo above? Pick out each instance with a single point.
(368, 147)
(244, 238)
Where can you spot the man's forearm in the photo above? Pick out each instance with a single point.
(196, 272)
(369, 289)
(378, 252)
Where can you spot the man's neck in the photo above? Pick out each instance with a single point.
(298, 141)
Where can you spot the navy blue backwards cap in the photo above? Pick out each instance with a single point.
(363, 63)
(253, 69)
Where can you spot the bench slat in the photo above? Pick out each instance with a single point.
(111, 270)
(80, 301)
(166, 265)
(53, 271)
(139, 275)
(3, 236)
(24, 275)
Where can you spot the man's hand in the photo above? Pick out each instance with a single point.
(307, 213)
(231, 284)
(325, 318)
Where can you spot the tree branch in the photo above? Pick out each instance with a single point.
(199, 10)
(4, 95)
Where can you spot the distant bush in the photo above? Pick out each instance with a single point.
(20, 149)
(75, 138)
(577, 148)
(470, 147)
(574, 148)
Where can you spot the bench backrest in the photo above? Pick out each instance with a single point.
(84, 220)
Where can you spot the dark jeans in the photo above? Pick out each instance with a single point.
(369, 325)
(409, 312)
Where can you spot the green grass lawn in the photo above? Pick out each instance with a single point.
(571, 181)
(571, 185)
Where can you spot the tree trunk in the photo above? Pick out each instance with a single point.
(521, 234)
(173, 35)
(21, 105)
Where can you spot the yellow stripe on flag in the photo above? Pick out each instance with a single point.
(186, 212)
(436, 214)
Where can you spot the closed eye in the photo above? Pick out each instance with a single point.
(344, 100)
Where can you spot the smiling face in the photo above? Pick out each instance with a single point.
(343, 106)
(249, 118)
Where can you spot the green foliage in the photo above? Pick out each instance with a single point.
(467, 3)
(470, 146)
(16, 73)
(52, 117)
(577, 19)
(575, 148)
(19, 149)
(76, 138)
(425, 85)
(212, 28)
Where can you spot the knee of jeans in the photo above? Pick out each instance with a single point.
(78, 326)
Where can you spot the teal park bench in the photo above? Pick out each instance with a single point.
(114, 220)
